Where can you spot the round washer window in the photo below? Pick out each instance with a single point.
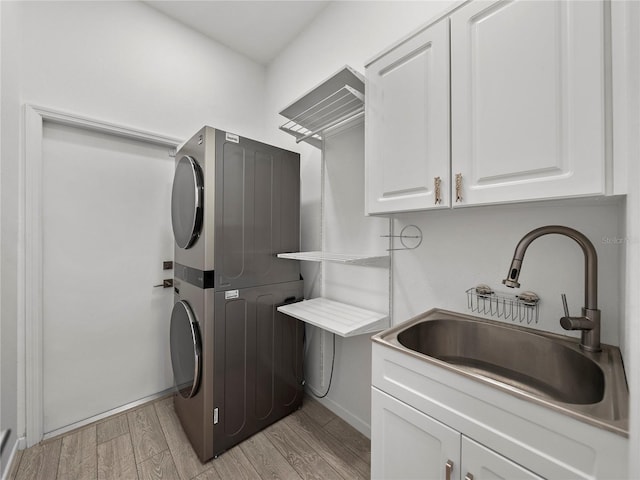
(185, 349)
(186, 202)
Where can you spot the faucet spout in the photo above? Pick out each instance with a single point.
(589, 323)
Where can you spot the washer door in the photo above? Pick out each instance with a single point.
(187, 202)
(186, 349)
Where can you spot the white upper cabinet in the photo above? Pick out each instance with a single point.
(522, 116)
(407, 125)
(527, 100)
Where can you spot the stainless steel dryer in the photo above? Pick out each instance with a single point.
(192, 206)
(237, 361)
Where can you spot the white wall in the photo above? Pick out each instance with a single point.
(465, 247)
(626, 145)
(130, 64)
(10, 178)
(1, 423)
(126, 63)
(1, 462)
(352, 33)
(120, 62)
(345, 33)
(345, 229)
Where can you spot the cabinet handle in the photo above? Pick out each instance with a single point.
(458, 187)
(438, 192)
(468, 476)
(448, 469)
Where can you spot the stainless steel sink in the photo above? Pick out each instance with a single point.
(537, 366)
(531, 362)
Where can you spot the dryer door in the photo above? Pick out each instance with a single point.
(187, 202)
(186, 349)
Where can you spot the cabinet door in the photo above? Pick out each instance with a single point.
(407, 125)
(485, 464)
(407, 444)
(527, 100)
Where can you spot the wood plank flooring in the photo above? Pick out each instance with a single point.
(148, 443)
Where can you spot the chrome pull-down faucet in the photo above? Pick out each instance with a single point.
(589, 322)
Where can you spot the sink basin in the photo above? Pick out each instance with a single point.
(537, 366)
(532, 363)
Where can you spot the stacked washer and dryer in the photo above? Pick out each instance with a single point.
(237, 361)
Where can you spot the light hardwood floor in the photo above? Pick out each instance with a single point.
(148, 443)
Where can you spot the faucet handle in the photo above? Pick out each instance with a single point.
(564, 304)
(568, 322)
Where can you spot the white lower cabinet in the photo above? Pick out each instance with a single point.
(429, 422)
(406, 444)
(480, 463)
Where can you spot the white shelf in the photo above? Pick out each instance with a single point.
(336, 317)
(345, 258)
(338, 99)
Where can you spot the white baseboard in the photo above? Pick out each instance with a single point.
(115, 411)
(353, 420)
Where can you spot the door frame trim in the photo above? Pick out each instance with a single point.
(31, 233)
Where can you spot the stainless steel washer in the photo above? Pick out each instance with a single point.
(235, 202)
(192, 361)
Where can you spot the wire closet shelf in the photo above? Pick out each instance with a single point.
(337, 100)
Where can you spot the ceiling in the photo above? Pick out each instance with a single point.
(259, 30)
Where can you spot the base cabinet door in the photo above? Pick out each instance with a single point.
(480, 463)
(407, 444)
(527, 100)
